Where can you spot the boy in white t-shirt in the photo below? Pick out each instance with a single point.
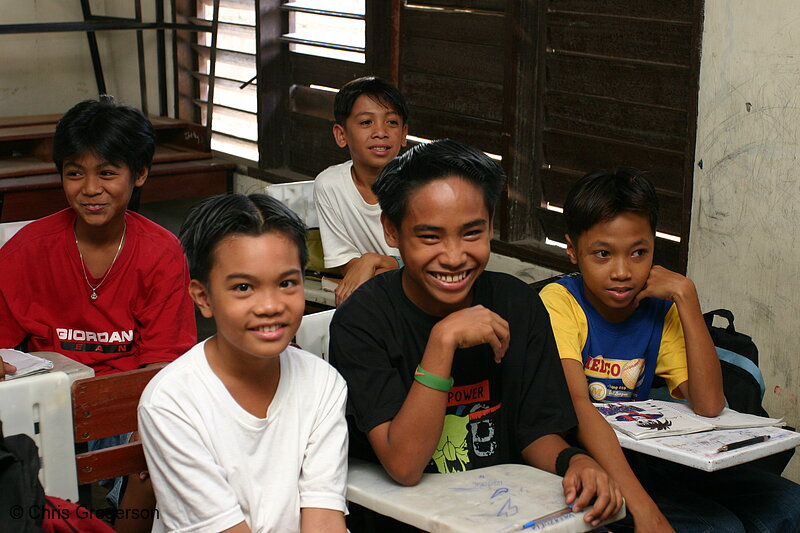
(244, 432)
(371, 121)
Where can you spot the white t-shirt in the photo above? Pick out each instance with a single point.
(348, 225)
(213, 464)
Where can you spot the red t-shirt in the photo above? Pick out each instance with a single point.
(143, 313)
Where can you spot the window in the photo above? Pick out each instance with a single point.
(609, 85)
(234, 122)
(551, 88)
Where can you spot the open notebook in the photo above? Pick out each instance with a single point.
(657, 418)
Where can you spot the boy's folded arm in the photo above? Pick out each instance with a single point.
(703, 390)
(360, 269)
(405, 444)
(599, 439)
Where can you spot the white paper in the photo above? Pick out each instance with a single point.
(26, 363)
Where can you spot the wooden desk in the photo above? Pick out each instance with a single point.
(487, 499)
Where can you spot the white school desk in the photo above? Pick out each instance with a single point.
(313, 293)
(489, 499)
(699, 450)
(61, 363)
(40, 406)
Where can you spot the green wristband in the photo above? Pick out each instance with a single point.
(433, 381)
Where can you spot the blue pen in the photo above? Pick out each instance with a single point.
(538, 521)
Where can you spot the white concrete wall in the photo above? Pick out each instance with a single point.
(50, 72)
(745, 234)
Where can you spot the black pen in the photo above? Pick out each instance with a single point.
(742, 443)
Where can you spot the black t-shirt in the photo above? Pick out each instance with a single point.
(378, 337)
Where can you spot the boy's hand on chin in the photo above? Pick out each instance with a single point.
(473, 326)
(664, 284)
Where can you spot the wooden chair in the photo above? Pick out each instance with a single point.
(102, 407)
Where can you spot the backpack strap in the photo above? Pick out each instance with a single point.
(745, 364)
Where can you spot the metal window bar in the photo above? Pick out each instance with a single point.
(328, 13)
(93, 23)
(293, 8)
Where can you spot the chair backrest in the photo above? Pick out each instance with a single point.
(314, 334)
(299, 197)
(102, 407)
(39, 407)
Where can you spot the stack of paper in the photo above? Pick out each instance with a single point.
(26, 363)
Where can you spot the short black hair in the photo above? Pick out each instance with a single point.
(377, 88)
(601, 195)
(427, 162)
(226, 214)
(115, 132)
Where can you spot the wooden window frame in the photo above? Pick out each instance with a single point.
(524, 113)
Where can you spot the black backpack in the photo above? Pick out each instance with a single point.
(21, 494)
(741, 378)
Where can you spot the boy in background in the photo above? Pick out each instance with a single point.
(409, 337)
(98, 283)
(244, 432)
(371, 121)
(646, 320)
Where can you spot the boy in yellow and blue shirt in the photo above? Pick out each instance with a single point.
(624, 321)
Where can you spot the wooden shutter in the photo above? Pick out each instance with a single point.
(615, 85)
(452, 61)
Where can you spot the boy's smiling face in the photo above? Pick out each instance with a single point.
(615, 258)
(444, 242)
(98, 190)
(255, 295)
(374, 132)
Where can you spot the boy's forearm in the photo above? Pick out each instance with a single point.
(599, 439)
(406, 444)
(318, 520)
(705, 376)
(372, 260)
(542, 452)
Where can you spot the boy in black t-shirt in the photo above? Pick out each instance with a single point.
(449, 367)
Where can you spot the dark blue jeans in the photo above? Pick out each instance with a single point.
(738, 499)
